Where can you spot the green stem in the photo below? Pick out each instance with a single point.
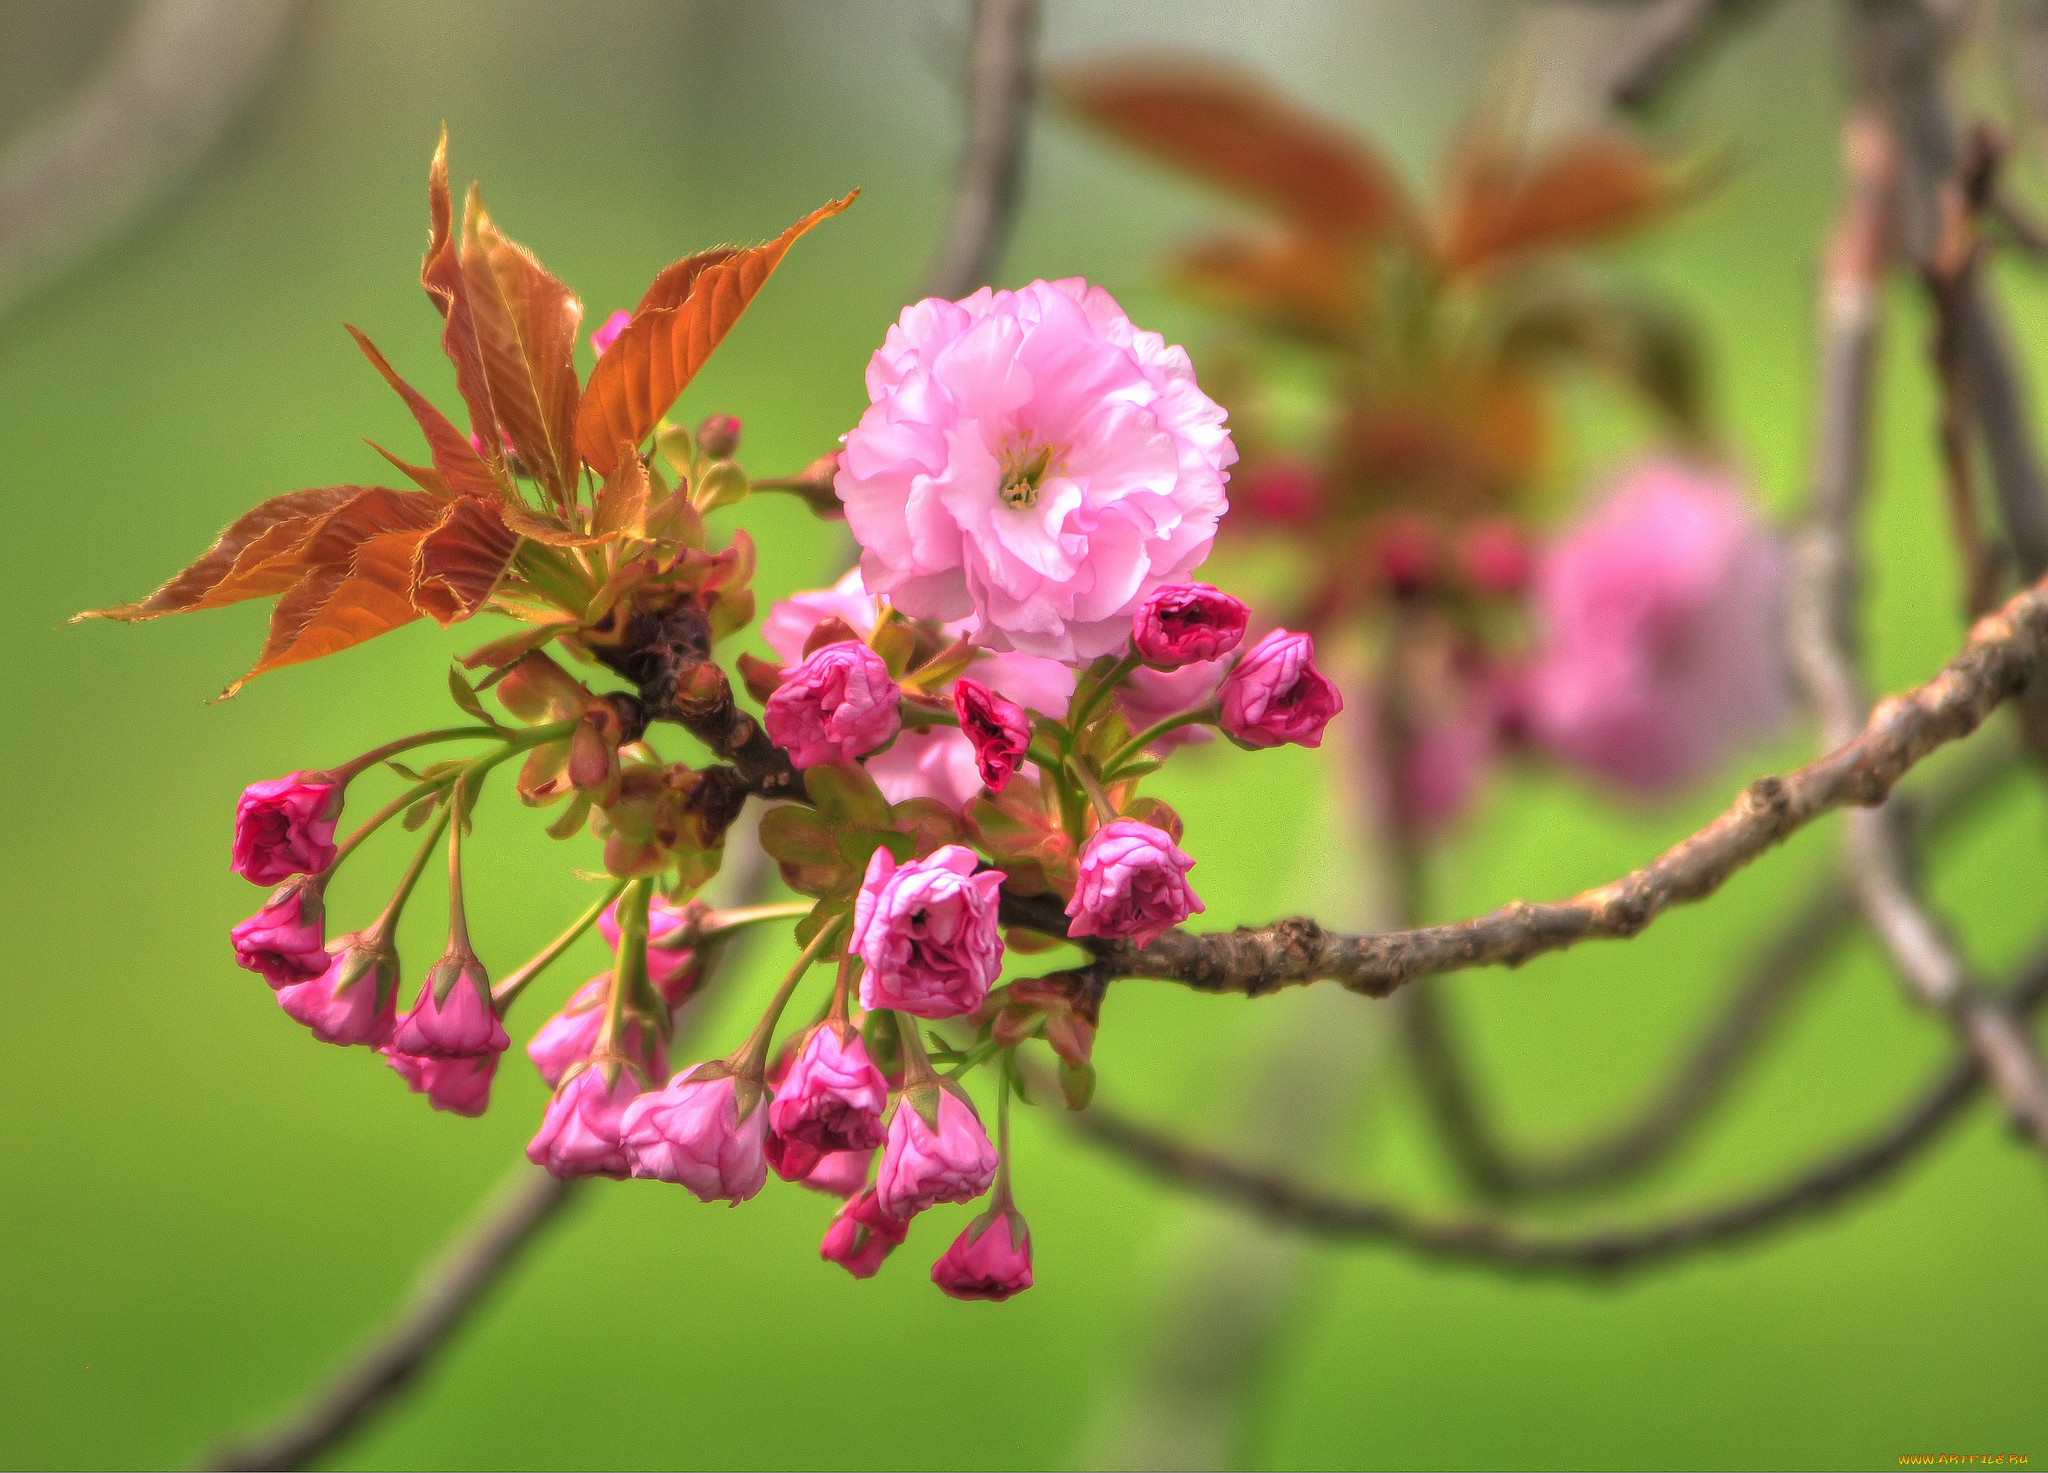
(723, 922)
(554, 578)
(1111, 679)
(628, 971)
(1100, 799)
(1000, 1199)
(387, 922)
(385, 814)
(751, 1059)
(917, 1064)
(974, 1058)
(509, 989)
(1201, 715)
(920, 717)
(458, 921)
(371, 758)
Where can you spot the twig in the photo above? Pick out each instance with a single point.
(453, 1285)
(2003, 652)
(1490, 1243)
(157, 107)
(999, 84)
(1663, 40)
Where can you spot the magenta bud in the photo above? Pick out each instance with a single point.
(832, 1098)
(707, 1131)
(719, 436)
(353, 1001)
(579, 1135)
(459, 1086)
(286, 941)
(607, 333)
(928, 932)
(285, 827)
(1133, 883)
(998, 727)
(841, 703)
(1187, 622)
(454, 1017)
(862, 1235)
(1275, 695)
(991, 1259)
(946, 1158)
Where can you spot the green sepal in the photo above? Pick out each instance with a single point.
(572, 818)
(1077, 1083)
(464, 695)
(417, 815)
(722, 483)
(924, 1099)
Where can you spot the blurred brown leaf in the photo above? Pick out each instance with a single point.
(1500, 204)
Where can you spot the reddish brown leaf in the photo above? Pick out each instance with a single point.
(526, 323)
(1307, 284)
(1499, 205)
(1230, 129)
(671, 284)
(622, 500)
(538, 526)
(441, 274)
(423, 476)
(254, 557)
(461, 560)
(462, 470)
(662, 348)
(342, 604)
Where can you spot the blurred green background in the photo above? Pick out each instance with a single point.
(203, 1210)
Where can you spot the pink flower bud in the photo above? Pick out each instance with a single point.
(837, 1173)
(459, 1086)
(991, 1259)
(927, 931)
(570, 1036)
(608, 332)
(286, 940)
(1133, 883)
(1186, 622)
(579, 1135)
(286, 827)
(998, 728)
(454, 1017)
(719, 436)
(1276, 695)
(946, 1159)
(862, 1235)
(1281, 493)
(354, 1000)
(674, 968)
(1495, 557)
(839, 704)
(706, 1130)
(1405, 547)
(833, 1096)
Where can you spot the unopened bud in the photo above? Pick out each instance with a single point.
(719, 436)
(722, 484)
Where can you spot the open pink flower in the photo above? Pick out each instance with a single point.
(1276, 695)
(991, 1259)
(1032, 458)
(579, 1135)
(862, 1235)
(285, 827)
(673, 968)
(286, 940)
(839, 704)
(354, 1000)
(1133, 883)
(833, 1096)
(1659, 651)
(928, 933)
(922, 1166)
(461, 1024)
(693, 1132)
(998, 728)
(459, 1086)
(607, 333)
(1184, 623)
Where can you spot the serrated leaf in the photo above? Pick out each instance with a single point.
(847, 796)
(441, 275)
(1501, 204)
(526, 323)
(456, 462)
(461, 560)
(622, 500)
(1227, 127)
(795, 835)
(500, 655)
(685, 315)
(255, 557)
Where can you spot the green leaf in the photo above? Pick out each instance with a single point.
(847, 795)
(421, 811)
(572, 818)
(464, 695)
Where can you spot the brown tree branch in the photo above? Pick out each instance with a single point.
(2003, 652)
(1491, 1243)
(1000, 80)
(1663, 40)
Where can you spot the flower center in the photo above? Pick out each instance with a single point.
(1023, 473)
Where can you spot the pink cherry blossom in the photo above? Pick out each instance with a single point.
(1133, 883)
(673, 968)
(998, 729)
(922, 1166)
(1033, 459)
(693, 1132)
(839, 704)
(361, 1011)
(1659, 648)
(579, 1135)
(862, 1235)
(459, 1086)
(1186, 623)
(788, 623)
(833, 1096)
(928, 933)
(607, 333)
(1147, 697)
(286, 940)
(285, 827)
(838, 1173)
(570, 1036)
(461, 1025)
(991, 1259)
(1276, 695)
